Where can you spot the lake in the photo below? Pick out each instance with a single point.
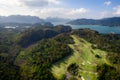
(100, 29)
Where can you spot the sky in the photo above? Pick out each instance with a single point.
(70, 9)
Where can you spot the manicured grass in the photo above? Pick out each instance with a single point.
(84, 56)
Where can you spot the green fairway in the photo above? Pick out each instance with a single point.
(84, 56)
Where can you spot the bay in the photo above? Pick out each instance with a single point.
(100, 29)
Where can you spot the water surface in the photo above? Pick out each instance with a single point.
(100, 29)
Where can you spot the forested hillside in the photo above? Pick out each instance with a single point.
(112, 22)
(58, 53)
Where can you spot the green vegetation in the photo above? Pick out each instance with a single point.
(86, 58)
(73, 69)
(9, 72)
(107, 72)
(35, 34)
(35, 61)
(106, 42)
(57, 53)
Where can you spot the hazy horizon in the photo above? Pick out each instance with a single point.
(68, 9)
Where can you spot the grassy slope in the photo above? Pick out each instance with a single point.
(84, 56)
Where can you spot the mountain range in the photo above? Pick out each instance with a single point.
(113, 21)
(56, 20)
(22, 21)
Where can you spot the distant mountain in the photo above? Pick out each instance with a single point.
(56, 20)
(114, 21)
(22, 21)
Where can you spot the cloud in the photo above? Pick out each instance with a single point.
(107, 3)
(111, 13)
(8, 7)
(9, 3)
(103, 14)
(117, 10)
(38, 8)
(106, 14)
(60, 12)
(39, 3)
(114, 12)
(54, 1)
(78, 11)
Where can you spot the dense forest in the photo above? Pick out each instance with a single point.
(29, 53)
(106, 42)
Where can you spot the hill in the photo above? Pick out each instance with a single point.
(34, 34)
(22, 21)
(83, 56)
(59, 53)
(112, 22)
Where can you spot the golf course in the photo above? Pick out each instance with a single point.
(85, 57)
